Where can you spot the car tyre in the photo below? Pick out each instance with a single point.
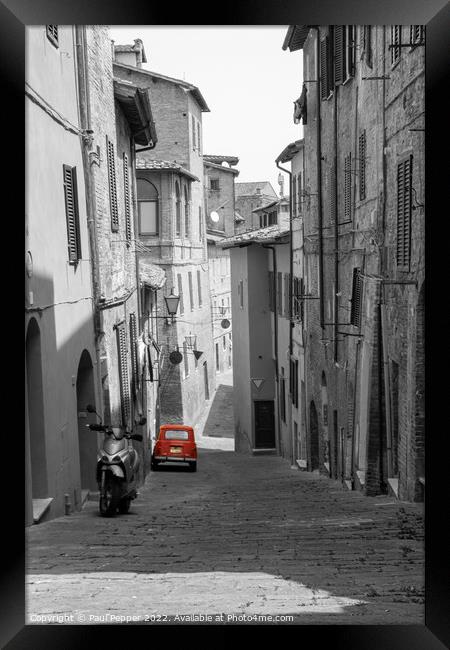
(153, 465)
(193, 467)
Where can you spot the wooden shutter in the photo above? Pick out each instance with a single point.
(302, 300)
(280, 293)
(122, 354)
(355, 312)
(72, 216)
(133, 347)
(52, 34)
(330, 59)
(299, 191)
(350, 50)
(395, 43)
(416, 34)
(404, 207)
(296, 383)
(294, 196)
(332, 193)
(362, 166)
(348, 187)
(126, 188)
(112, 185)
(323, 69)
(339, 54)
(271, 301)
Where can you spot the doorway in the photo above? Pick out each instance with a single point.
(87, 440)
(314, 434)
(264, 424)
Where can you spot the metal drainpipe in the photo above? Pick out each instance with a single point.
(336, 231)
(319, 178)
(291, 273)
(275, 320)
(91, 205)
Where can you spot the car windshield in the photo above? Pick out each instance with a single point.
(171, 434)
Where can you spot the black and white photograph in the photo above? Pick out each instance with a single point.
(225, 274)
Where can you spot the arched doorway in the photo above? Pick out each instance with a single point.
(325, 434)
(314, 436)
(419, 411)
(35, 404)
(87, 440)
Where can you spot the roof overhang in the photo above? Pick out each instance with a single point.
(170, 168)
(151, 276)
(268, 235)
(289, 152)
(296, 37)
(136, 107)
(221, 167)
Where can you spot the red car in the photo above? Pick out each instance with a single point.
(175, 443)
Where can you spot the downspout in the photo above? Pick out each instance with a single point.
(89, 180)
(291, 325)
(336, 230)
(275, 344)
(319, 178)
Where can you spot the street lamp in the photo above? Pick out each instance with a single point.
(191, 341)
(172, 302)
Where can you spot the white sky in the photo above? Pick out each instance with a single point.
(247, 80)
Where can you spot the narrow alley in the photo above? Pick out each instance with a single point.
(244, 536)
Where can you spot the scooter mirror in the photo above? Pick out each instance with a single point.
(90, 408)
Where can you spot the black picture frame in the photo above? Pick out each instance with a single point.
(14, 15)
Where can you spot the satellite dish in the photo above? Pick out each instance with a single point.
(214, 216)
(175, 357)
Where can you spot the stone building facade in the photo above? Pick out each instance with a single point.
(364, 249)
(220, 176)
(175, 168)
(248, 197)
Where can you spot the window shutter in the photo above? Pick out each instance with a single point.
(123, 373)
(404, 207)
(339, 54)
(280, 293)
(112, 185)
(133, 347)
(72, 216)
(52, 34)
(332, 191)
(294, 196)
(355, 312)
(323, 69)
(350, 50)
(362, 166)
(302, 300)
(299, 191)
(199, 282)
(395, 42)
(330, 60)
(126, 187)
(348, 187)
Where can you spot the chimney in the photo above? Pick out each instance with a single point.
(132, 55)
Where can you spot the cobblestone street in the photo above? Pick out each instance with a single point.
(243, 535)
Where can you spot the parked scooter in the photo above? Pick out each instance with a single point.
(117, 467)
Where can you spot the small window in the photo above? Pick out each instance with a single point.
(122, 353)
(416, 34)
(170, 434)
(147, 196)
(362, 165)
(191, 291)
(367, 45)
(112, 185)
(177, 210)
(52, 34)
(355, 312)
(180, 292)
(72, 215)
(193, 133)
(396, 39)
(127, 198)
(187, 225)
(199, 284)
(214, 184)
(404, 208)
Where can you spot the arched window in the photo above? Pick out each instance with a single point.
(147, 196)
(178, 210)
(186, 212)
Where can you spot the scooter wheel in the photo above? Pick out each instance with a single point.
(124, 506)
(110, 500)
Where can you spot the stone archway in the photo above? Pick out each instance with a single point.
(419, 406)
(35, 408)
(314, 436)
(87, 440)
(326, 445)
